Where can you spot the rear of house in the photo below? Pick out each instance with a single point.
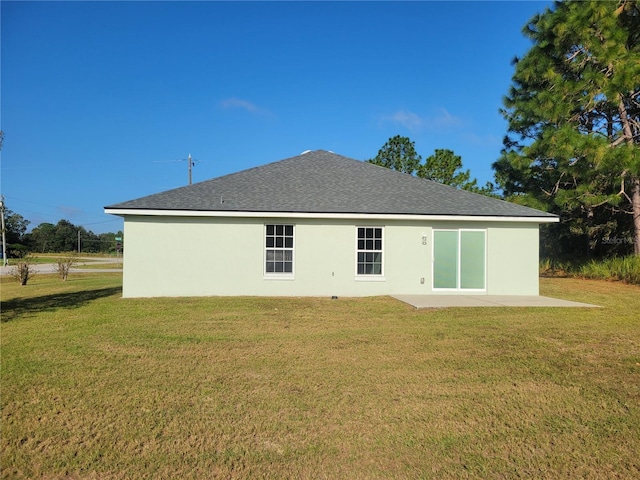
(320, 224)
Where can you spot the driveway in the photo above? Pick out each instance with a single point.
(443, 301)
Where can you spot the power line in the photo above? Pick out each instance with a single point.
(191, 162)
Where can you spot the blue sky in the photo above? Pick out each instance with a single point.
(103, 101)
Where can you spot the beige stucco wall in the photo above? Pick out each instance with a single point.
(513, 262)
(198, 256)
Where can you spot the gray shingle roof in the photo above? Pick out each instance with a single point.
(324, 182)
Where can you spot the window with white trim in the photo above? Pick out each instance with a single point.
(369, 251)
(278, 249)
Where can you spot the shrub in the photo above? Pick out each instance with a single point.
(552, 267)
(65, 264)
(626, 269)
(17, 250)
(23, 271)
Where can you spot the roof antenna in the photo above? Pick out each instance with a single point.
(190, 161)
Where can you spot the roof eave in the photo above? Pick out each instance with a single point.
(123, 212)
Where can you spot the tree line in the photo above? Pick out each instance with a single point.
(444, 166)
(573, 114)
(64, 236)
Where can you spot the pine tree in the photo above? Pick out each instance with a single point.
(573, 111)
(398, 153)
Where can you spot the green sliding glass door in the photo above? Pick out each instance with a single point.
(459, 259)
(445, 259)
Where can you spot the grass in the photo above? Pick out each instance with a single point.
(626, 269)
(36, 259)
(95, 386)
(83, 262)
(616, 268)
(99, 266)
(50, 258)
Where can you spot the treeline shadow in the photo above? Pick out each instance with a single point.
(19, 307)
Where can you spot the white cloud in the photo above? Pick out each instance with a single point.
(242, 104)
(414, 122)
(443, 119)
(407, 119)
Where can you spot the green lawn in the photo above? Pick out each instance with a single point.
(37, 259)
(50, 258)
(99, 265)
(95, 386)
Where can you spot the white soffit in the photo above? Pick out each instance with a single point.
(355, 216)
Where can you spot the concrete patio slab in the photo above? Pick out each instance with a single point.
(444, 301)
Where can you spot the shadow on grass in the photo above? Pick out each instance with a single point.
(19, 307)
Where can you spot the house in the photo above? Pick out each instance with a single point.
(321, 224)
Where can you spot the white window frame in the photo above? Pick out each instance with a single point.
(370, 277)
(267, 248)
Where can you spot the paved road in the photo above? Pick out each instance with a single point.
(50, 267)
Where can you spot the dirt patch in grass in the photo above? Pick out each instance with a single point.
(317, 388)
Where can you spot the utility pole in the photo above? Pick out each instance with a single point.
(190, 165)
(4, 238)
